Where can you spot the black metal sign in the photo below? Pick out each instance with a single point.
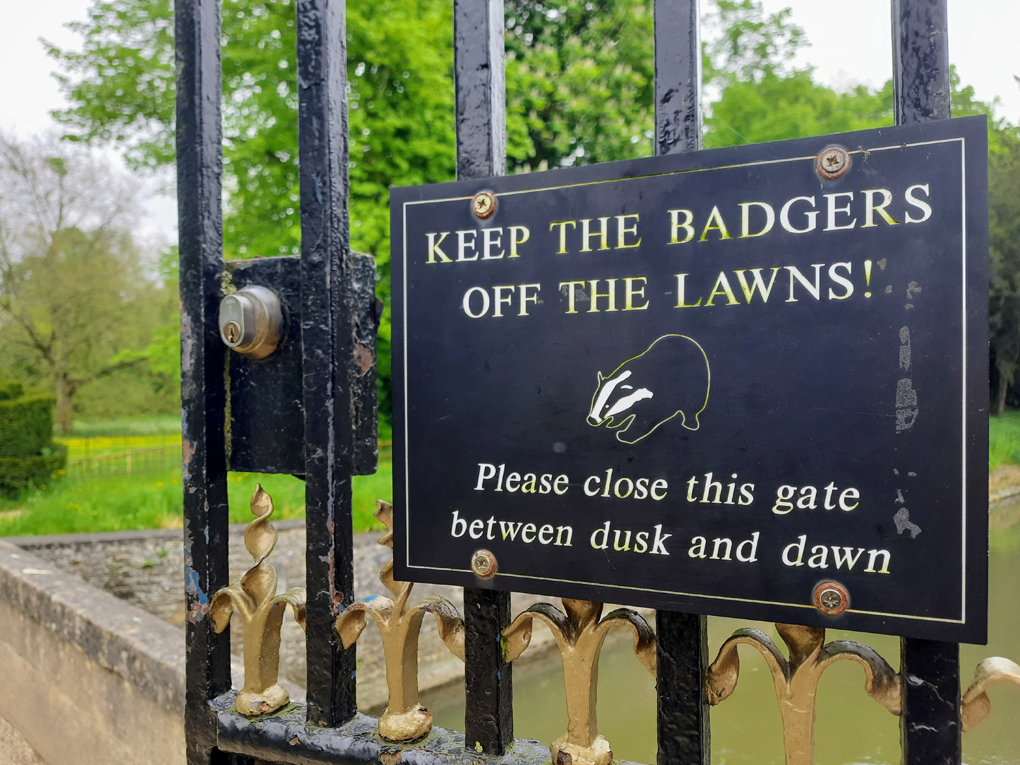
(750, 381)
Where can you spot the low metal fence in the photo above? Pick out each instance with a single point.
(127, 462)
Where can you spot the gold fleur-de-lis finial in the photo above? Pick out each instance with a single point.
(261, 610)
(404, 719)
(579, 633)
(976, 704)
(796, 679)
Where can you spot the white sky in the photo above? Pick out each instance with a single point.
(978, 45)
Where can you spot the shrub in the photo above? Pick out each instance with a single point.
(17, 473)
(10, 389)
(28, 456)
(26, 425)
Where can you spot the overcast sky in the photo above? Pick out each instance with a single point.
(863, 54)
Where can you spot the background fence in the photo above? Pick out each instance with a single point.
(101, 456)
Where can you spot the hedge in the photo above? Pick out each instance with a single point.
(17, 473)
(26, 425)
(9, 390)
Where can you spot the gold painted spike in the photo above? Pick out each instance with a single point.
(580, 632)
(404, 719)
(796, 679)
(976, 704)
(262, 611)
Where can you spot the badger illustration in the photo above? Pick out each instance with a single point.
(672, 377)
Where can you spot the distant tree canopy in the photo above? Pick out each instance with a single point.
(580, 90)
(73, 292)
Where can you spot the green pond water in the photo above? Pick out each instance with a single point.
(746, 728)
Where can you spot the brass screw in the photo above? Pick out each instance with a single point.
(831, 598)
(832, 163)
(483, 204)
(232, 331)
(483, 563)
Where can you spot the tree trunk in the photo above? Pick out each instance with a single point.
(1005, 380)
(63, 413)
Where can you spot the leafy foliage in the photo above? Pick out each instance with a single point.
(580, 90)
(1004, 241)
(28, 455)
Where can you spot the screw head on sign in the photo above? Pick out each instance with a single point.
(832, 163)
(483, 204)
(232, 332)
(483, 563)
(831, 598)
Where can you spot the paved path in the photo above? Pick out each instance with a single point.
(14, 750)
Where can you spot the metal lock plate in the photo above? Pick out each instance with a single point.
(251, 321)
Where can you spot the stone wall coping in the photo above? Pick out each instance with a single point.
(105, 537)
(141, 648)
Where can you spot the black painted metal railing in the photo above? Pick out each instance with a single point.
(310, 409)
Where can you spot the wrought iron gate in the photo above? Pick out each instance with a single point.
(309, 409)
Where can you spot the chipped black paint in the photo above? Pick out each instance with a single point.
(327, 337)
(677, 77)
(199, 163)
(266, 396)
(286, 737)
(682, 726)
(920, 61)
(930, 723)
(479, 74)
(266, 405)
(682, 717)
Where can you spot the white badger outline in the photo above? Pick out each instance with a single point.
(598, 399)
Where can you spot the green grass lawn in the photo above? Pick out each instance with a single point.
(155, 425)
(154, 500)
(1004, 440)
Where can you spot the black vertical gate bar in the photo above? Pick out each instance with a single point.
(677, 77)
(199, 163)
(683, 719)
(930, 722)
(327, 315)
(480, 84)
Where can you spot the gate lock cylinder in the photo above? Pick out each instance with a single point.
(251, 321)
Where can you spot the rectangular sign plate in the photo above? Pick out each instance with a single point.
(715, 382)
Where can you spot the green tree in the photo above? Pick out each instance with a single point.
(579, 90)
(121, 87)
(779, 107)
(72, 289)
(1004, 238)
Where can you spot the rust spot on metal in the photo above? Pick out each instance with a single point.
(187, 450)
(483, 563)
(363, 357)
(194, 614)
(831, 598)
(832, 163)
(483, 205)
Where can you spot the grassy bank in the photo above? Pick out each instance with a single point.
(73, 504)
(1004, 440)
(154, 500)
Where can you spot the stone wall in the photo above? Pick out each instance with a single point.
(84, 677)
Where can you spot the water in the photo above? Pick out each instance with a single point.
(851, 728)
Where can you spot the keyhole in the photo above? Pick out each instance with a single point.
(232, 331)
